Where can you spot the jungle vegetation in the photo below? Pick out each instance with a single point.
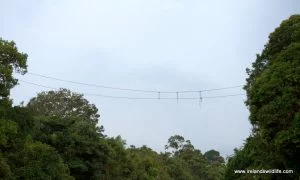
(58, 134)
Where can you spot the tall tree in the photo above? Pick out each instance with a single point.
(186, 162)
(68, 122)
(63, 103)
(273, 98)
(10, 59)
(214, 156)
(39, 161)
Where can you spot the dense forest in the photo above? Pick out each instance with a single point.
(57, 134)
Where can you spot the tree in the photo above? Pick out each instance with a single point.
(8, 132)
(273, 99)
(68, 122)
(63, 103)
(55, 136)
(255, 154)
(79, 142)
(119, 165)
(147, 164)
(5, 172)
(175, 142)
(10, 59)
(186, 162)
(213, 156)
(40, 161)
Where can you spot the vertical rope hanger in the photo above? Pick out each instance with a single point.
(158, 95)
(200, 98)
(177, 97)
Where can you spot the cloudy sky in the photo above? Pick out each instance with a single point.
(160, 45)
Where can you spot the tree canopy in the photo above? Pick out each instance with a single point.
(58, 135)
(63, 103)
(273, 91)
(10, 59)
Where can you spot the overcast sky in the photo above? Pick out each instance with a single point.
(161, 45)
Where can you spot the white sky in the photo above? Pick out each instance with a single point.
(165, 45)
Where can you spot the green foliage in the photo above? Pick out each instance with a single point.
(119, 165)
(147, 164)
(8, 130)
(5, 172)
(63, 103)
(78, 141)
(273, 91)
(40, 161)
(56, 136)
(186, 162)
(10, 59)
(175, 142)
(213, 156)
